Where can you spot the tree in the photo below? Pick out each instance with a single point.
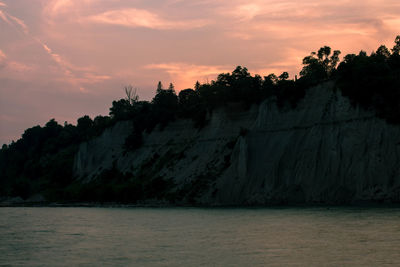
(396, 47)
(382, 51)
(120, 109)
(189, 101)
(284, 76)
(319, 66)
(323, 53)
(52, 128)
(84, 123)
(197, 86)
(171, 87)
(131, 94)
(52, 123)
(334, 60)
(271, 79)
(159, 87)
(240, 73)
(165, 99)
(395, 57)
(362, 53)
(165, 104)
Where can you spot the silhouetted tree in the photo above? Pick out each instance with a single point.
(131, 94)
(373, 81)
(159, 87)
(165, 105)
(171, 87)
(189, 102)
(396, 47)
(383, 51)
(284, 76)
(319, 66)
(197, 86)
(120, 110)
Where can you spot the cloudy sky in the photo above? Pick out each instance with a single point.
(65, 58)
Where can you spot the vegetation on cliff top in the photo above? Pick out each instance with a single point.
(41, 160)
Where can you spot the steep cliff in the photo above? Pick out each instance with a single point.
(323, 151)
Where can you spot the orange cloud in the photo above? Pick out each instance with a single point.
(56, 7)
(134, 18)
(3, 59)
(246, 11)
(65, 10)
(184, 75)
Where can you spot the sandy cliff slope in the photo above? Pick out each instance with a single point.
(323, 151)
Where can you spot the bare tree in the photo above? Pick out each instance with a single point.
(131, 94)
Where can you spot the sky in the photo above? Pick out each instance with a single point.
(63, 59)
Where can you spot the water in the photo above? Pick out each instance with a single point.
(199, 237)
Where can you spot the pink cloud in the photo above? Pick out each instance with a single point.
(19, 67)
(3, 59)
(56, 7)
(74, 74)
(246, 11)
(14, 21)
(12, 65)
(4, 17)
(134, 18)
(19, 22)
(290, 19)
(67, 50)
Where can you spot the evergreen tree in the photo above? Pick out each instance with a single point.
(159, 87)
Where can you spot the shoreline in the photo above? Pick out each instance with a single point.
(208, 206)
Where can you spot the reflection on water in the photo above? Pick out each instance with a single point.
(193, 237)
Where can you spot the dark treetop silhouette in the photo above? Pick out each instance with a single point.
(41, 160)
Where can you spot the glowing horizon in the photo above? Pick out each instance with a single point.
(63, 59)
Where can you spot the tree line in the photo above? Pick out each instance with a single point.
(42, 159)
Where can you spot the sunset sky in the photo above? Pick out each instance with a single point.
(63, 59)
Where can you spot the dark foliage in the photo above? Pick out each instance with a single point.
(373, 82)
(41, 160)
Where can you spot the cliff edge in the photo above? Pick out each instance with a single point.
(323, 151)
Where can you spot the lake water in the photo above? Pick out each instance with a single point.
(199, 237)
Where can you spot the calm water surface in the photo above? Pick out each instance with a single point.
(199, 237)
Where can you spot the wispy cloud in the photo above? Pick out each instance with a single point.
(12, 20)
(3, 59)
(58, 6)
(246, 11)
(289, 19)
(96, 46)
(19, 22)
(19, 67)
(3, 16)
(54, 8)
(133, 17)
(75, 75)
(14, 66)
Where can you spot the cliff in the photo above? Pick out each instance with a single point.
(323, 151)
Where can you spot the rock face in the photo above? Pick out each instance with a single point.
(323, 151)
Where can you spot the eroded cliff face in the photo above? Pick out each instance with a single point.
(324, 151)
